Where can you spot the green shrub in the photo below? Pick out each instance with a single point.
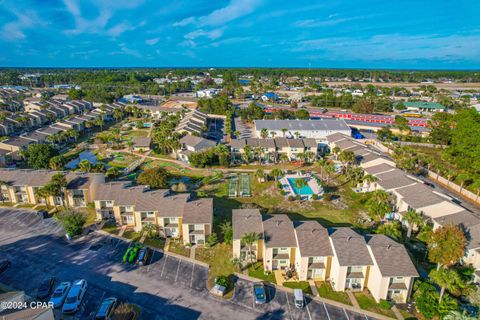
(314, 196)
(298, 197)
(384, 304)
(71, 221)
(212, 240)
(279, 185)
(282, 192)
(327, 197)
(290, 198)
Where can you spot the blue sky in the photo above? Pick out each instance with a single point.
(419, 34)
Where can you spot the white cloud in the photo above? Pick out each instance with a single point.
(118, 29)
(234, 10)
(212, 34)
(152, 42)
(14, 30)
(314, 23)
(395, 47)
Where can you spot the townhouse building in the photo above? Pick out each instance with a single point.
(315, 129)
(273, 150)
(21, 186)
(193, 122)
(175, 215)
(410, 193)
(339, 256)
(190, 144)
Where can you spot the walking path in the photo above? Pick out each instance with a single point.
(144, 236)
(192, 251)
(122, 231)
(313, 287)
(352, 299)
(397, 313)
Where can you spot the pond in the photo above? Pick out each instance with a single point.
(84, 155)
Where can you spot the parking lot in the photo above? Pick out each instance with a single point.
(167, 288)
(281, 305)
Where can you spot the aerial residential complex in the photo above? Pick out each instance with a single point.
(340, 256)
(411, 194)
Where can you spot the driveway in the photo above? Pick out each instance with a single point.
(167, 288)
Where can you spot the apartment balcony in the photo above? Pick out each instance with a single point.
(316, 265)
(397, 286)
(148, 220)
(281, 256)
(171, 225)
(355, 275)
(246, 249)
(196, 231)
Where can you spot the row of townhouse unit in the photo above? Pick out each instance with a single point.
(37, 115)
(412, 194)
(274, 149)
(193, 122)
(21, 186)
(340, 256)
(176, 215)
(77, 122)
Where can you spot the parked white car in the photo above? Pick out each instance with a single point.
(59, 294)
(75, 296)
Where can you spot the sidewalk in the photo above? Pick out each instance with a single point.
(353, 300)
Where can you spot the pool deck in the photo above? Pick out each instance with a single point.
(311, 181)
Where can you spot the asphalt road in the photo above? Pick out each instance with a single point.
(167, 288)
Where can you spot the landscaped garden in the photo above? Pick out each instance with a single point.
(304, 285)
(256, 270)
(326, 291)
(176, 246)
(367, 302)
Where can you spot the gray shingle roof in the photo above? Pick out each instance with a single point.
(350, 247)
(299, 125)
(142, 141)
(419, 196)
(198, 211)
(278, 231)
(312, 239)
(336, 137)
(393, 179)
(383, 167)
(295, 143)
(391, 257)
(246, 221)
(197, 142)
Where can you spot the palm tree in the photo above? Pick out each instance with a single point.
(112, 173)
(260, 175)
(446, 279)
(273, 134)
(284, 131)
(249, 239)
(297, 134)
(237, 263)
(85, 165)
(275, 173)
(300, 183)
(264, 133)
(42, 194)
(329, 169)
(412, 218)
(346, 156)
(247, 154)
(57, 162)
(150, 230)
(393, 230)
(335, 152)
(369, 179)
(321, 164)
(378, 205)
(99, 123)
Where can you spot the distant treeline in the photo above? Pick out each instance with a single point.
(94, 76)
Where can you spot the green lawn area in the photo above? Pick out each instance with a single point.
(126, 135)
(304, 285)
(219, 258)
(90, 214)
(26, 205)
(155, 242)
(265, 195)
(177, 247)
(407, 315)
(256, 271)
(110, 228)
(132, 235)
(326, 291)
(6, 204)
(366, 301)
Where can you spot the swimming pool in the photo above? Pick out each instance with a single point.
(305, 190)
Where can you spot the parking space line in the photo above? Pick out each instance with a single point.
(306, 307)
(328, 314)
(164, 263)
(178, 268)
(191, 280)
(346, 315)
(151, 259)
(288, 305)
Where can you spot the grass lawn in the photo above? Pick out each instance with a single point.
(110, 228)
(256, 271)
(155, 242)
(132, 235)
(265, 195)
(26, 205)
(219, 258)
(6, 204)
(178, 248)
(125, 310)
(326, 291)
(304, 285)
(90, 214)
(134, 133)
(366, 301)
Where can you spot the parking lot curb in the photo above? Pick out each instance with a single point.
(318, 298)
(178, 256)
